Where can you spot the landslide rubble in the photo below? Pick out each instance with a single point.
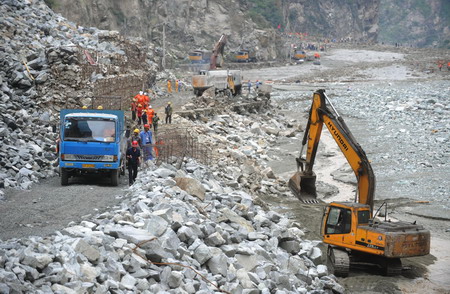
(44, 67)
(162, 239)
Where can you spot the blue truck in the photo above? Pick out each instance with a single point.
(92, 141)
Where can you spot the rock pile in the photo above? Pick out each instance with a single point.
(42, 64)
(163, 239)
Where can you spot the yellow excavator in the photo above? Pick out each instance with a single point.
(351, 230)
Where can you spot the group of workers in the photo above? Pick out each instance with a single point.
(441, 64)
(140, 144)
(139, 147)
(142, 111)
(177, 87)
(257, 85)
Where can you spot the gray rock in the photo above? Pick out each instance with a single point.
(202, 253)
(191, 186)
(82, 247)
(218, 264)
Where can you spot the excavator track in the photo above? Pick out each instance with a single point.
(392, 267)
(338, 262)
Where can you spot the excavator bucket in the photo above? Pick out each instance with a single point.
(304, 187)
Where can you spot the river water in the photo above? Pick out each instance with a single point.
(403, 128)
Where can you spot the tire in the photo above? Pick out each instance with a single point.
(115, 177)
(64, 177)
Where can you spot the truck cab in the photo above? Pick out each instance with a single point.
(91, 141)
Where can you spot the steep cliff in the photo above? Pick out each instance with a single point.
(334, 19)
(420, 23)
(192, 24)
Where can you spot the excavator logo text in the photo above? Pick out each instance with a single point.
(338, 137)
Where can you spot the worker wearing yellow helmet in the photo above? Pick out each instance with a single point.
(135, 137)
(84, 107)
(100, 107)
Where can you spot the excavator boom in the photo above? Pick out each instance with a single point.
(322, 113)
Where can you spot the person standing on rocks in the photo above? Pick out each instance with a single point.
(144, 116)
(133, 156)
(139, 113)
(168, 110)
(169, 86)
(133, 109)
(135, 137)
(150, 115)
(146, 141)
(155, 123)
(249, 85)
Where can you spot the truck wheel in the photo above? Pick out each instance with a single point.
(64, 177)
(115, 177)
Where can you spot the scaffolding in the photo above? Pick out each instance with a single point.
(173, 145)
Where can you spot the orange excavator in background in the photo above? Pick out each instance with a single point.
(351, 229)
(217, 53)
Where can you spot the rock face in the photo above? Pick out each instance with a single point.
(417, 23)
(354, 20)
(199, 24)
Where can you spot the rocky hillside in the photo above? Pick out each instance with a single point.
(424, 23)
(250, 24)
(44, 67)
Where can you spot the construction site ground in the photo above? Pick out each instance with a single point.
(48, 206)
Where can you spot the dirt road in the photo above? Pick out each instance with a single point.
(49, 207)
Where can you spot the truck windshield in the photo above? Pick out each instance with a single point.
(89, 129)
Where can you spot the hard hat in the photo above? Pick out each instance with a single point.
(84, 107)
(169, 102)
(140, 105)
(100, 107)
(136, 131)
(140, 92)
(134, 144)
(146, 93)
(147, 126)
(149, 106)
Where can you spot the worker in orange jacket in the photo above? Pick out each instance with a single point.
(169, 86)
(138, 97)
(145, 99)
(176, 86)
(150, 114)
(139, 112)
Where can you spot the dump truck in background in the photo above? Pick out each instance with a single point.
(228, 82)
(92, 141)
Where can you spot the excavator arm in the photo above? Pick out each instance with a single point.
(322, 112)
(217, 50)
